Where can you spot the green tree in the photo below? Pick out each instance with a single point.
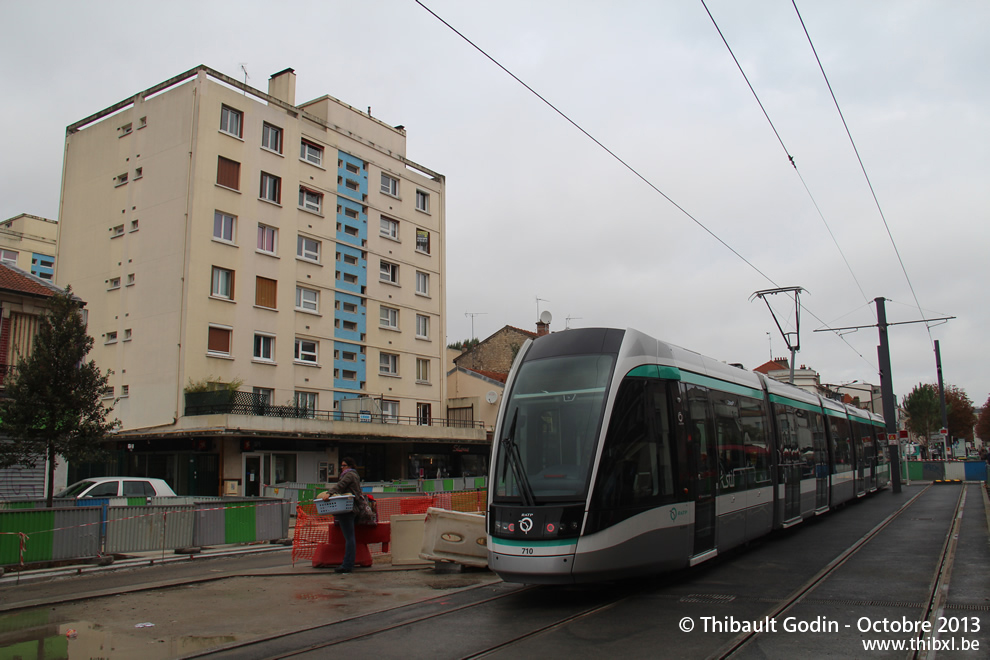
(983, 423)
(959, 413)
(924, 415)
(464, 346)
(54, 401)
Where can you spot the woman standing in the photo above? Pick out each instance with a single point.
(349, 483)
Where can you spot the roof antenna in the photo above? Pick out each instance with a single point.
(246, 76)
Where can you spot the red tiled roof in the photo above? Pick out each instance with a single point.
(494, 375)
(16, 280)
(772, 365)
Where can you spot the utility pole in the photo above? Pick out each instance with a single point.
(887, 384)
(887, 394)
(941, 396)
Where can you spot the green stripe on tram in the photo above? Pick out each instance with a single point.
(776, 398)
(655, 371)
(534, 543)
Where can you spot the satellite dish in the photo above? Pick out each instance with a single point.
(492, 396)
(546, 317)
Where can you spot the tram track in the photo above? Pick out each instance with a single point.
(932, 606)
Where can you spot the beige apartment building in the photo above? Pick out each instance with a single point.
(28, 242)
(266, 281)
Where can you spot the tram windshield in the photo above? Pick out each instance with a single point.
(549, 431)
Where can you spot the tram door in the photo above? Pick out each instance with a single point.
(702, 463)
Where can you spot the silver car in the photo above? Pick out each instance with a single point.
(118, 487)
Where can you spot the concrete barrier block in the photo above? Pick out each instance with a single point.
(455, 536)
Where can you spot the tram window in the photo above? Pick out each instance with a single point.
(841, 444)
(753, 419)
(734, 470)
(805, 442)
(636, 470)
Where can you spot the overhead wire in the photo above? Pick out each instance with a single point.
(615, 156)
(790, 157)
(862, 167)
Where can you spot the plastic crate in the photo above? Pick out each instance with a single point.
(336, 504)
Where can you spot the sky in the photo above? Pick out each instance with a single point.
(696, 208)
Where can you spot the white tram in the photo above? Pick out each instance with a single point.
(617, 455)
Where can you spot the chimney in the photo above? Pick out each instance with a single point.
(542, 328)
(282, 85)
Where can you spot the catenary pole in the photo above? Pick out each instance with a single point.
(887, 394)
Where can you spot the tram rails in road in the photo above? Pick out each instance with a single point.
(878, 559)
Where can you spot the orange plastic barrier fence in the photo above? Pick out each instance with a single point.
(312, 528)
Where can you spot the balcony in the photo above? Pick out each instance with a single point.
(225, 402)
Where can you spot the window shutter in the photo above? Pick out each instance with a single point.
(219, 341)
(228, 173)
(265, 292)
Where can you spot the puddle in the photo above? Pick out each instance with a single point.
(42, 633)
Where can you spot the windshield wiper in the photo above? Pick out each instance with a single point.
(514, 460)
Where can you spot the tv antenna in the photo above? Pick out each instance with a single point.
(472, 315)
(567, 321)
(246, 76)
(538, 301)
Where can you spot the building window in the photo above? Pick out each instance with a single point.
(424, 414)
(264, 348)
(113, 283)
(126, 129)
(390, 411)
(349, 326)
(390, 185)
(263, 397)
(125, 390)
(306, 403)
(388, 364)
(422, 241)
(351, 184)
(271, 188)
(134, 225)
(228, 173)
(389, 228)
(265, 292)
(389, 272)
(108, 392)
(422, 201)
(349, 259)
(110, 338)
(422, 326)
(223, 226)
(120, 179)
(138, 172)
(271, 137)
(117, 231)
(352, 168)
(350, 278)
(351, 213)
(308, 249)
(230, 121)
(389, 318)
(350, 308)
(307, 351)
(219, 341)
(130, 279)
(311, 153)
(267, 239)
(310, 201)
(348, 374)
(222, 284)
(422, 283)
(8, 257)
(128, 334)
(307, 300)
(422, 370)
(348, 356)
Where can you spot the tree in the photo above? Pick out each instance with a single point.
(959, 412)
(464, 346)
(983, 423)
(924, 415)
(54, 401)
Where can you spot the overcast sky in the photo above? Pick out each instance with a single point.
(535, 209)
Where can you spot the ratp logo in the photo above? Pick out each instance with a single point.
(674, 513)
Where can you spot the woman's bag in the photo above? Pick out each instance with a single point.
(364, 513)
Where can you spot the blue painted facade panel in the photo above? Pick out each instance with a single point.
(351, 229)
(359, 270)
(359, 318)
(350, 183)
(340, 365)
(42, 265)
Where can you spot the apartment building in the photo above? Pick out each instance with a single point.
(28, 242)
(266, 281)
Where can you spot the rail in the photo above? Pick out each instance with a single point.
(223, 402)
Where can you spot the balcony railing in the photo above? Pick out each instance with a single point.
(224, 402)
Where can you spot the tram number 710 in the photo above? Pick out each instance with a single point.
(526, 551)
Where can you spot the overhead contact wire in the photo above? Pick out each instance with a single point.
(863, 168)
(596, 141)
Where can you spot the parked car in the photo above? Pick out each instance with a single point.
(118, 487)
